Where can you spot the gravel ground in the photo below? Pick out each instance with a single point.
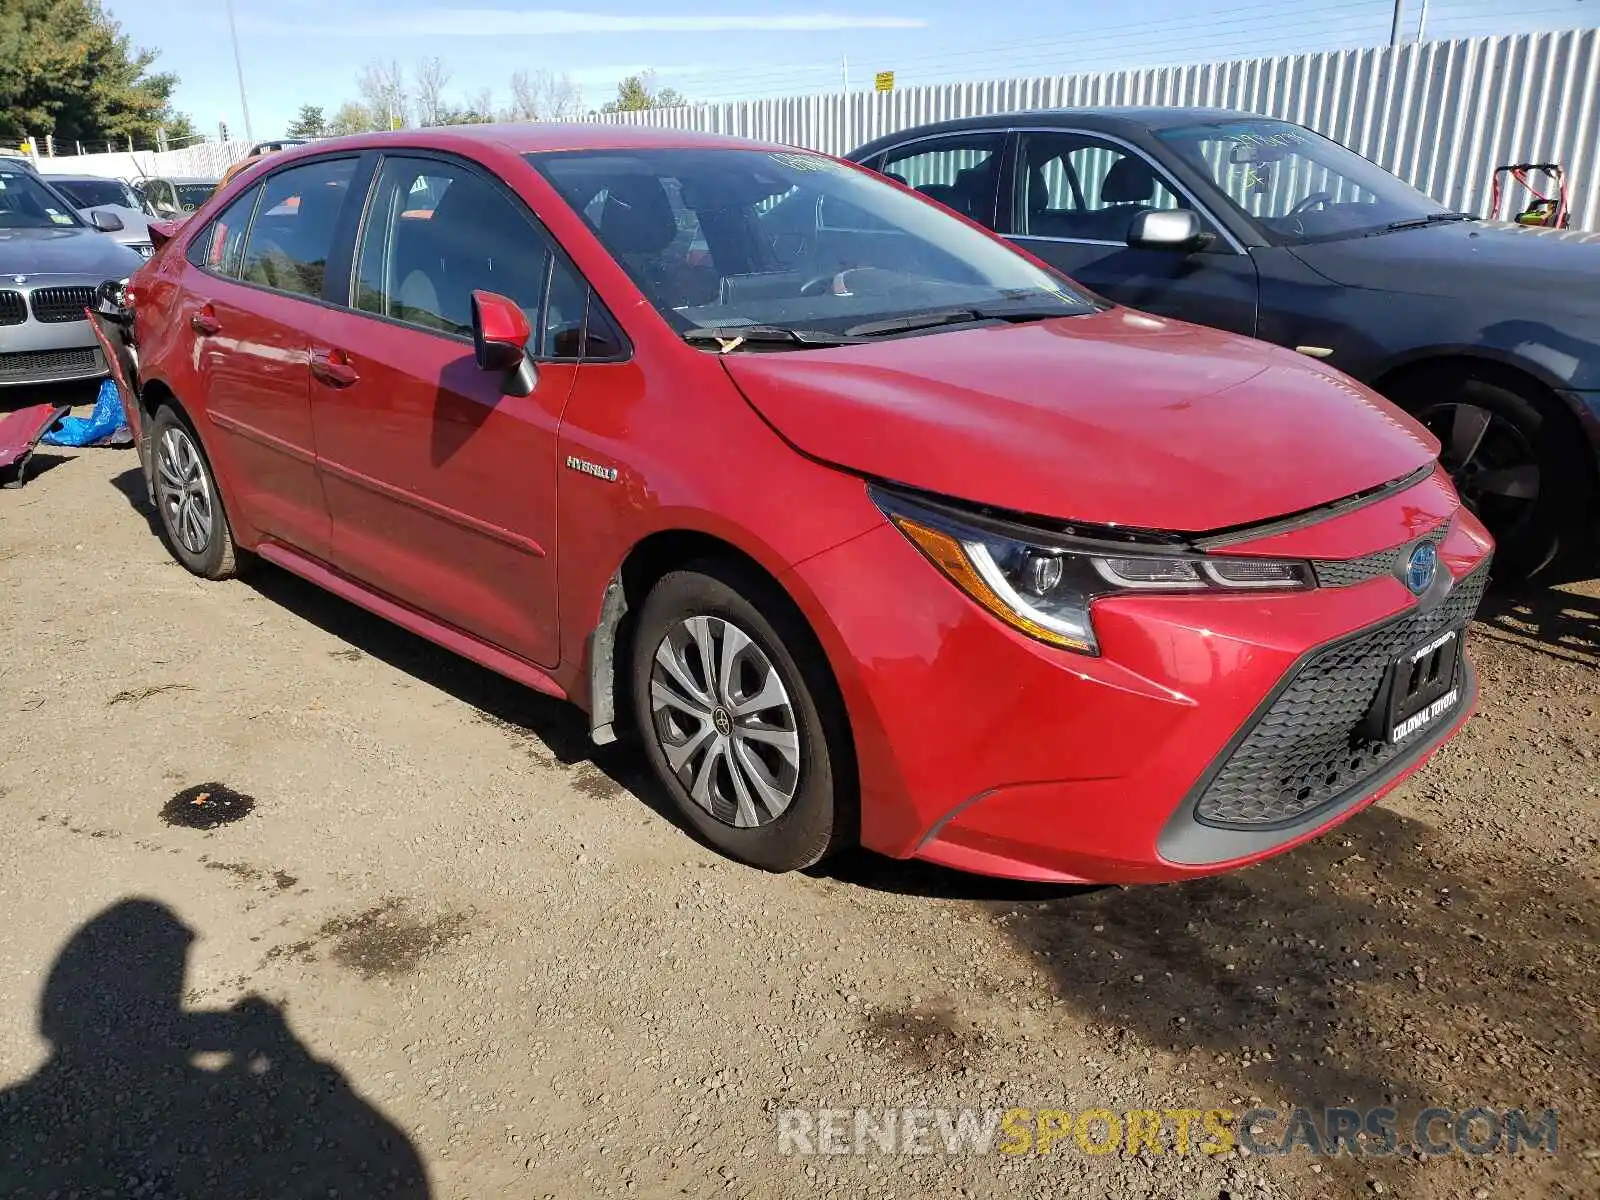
(295, 902)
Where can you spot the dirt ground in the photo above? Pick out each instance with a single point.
(436, 945)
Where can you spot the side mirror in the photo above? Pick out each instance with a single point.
(1168, 229)
(500, 335)
(105, 222)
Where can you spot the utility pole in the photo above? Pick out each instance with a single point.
(1422, 21)
(844, 62)
(238, 69)
(1394, 29)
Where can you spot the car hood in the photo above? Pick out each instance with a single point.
(1116, 418)
(134, 222)
(1465, 256)
(69, 250)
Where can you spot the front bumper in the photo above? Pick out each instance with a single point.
(984, 750)
(58, 349)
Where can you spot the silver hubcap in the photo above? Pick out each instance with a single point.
(184, 492)
(724, 722)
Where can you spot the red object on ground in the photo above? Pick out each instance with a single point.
(20, 432)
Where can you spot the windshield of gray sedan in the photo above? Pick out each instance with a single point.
(1297, 185)
(25, 203)
(91, 193)
(722, 238)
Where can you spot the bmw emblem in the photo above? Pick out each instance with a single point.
(1421, 567)
(19, 279)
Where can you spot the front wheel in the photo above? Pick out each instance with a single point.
(1517, 468)
(748, 743)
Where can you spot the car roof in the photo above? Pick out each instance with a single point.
(1109, 118)
(535, 137)
(81, 179)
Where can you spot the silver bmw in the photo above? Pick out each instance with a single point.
(51, 261)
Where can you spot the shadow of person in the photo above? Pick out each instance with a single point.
(142, 1098)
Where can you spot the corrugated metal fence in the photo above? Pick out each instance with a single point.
(1442, 114)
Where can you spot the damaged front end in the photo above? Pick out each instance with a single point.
(111, 319)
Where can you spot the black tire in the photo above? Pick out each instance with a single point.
(1532, 535)
(821, 816)
(214, 556)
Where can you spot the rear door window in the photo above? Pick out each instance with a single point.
(292, 235)
(220, 247)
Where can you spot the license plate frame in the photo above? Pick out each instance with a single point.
(1423, 685)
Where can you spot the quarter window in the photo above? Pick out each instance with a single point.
(435, 233)
(292, 235)
(218, 248)
(961, 172)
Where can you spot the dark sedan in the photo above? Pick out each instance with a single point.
(1488, 332)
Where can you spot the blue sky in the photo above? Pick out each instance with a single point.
(309, 51)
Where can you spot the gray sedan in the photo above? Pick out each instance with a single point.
(51, 261)
(90, 194)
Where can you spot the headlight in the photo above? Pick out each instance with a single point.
(1044, 583)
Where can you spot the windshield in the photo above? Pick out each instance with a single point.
(192, 195)
(724, 238)
(90, 193)
(1297, 185)
(25, 203)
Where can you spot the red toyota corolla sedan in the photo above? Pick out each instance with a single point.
(870, 527)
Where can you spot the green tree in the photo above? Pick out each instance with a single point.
(353, 117)
(67, 68)
(308, 123)
(639, 91)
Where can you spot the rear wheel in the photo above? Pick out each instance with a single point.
(748, 742)
(1518, 467)
(193, 523)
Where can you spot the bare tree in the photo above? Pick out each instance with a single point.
(544, 96)
(481, 103)
(428, 78)
(383, 88)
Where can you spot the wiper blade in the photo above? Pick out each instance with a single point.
(1431, 219)
(730, 337)
(957, 316)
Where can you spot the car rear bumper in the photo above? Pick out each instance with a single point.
(984, 750)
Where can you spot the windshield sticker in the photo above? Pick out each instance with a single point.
(60, 218)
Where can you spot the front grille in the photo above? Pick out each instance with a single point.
(1311, 746)
(1332, 573)
(12, 310)
(41, 366)
(58, 305)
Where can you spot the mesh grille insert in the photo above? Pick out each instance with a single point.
(1311, 745)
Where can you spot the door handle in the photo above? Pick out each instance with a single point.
(205, 321)
(334, 368)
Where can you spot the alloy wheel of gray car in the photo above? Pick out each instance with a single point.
(724, 721)
(183, 490)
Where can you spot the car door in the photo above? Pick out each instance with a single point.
(1072, 199)
(440, 486)
(259, 283)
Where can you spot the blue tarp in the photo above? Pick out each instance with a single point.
(105, 426)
